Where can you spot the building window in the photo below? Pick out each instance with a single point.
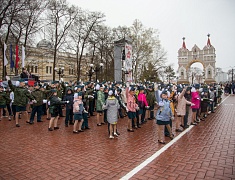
(32, 69)
(69, 72)
(36, 69)
(182, 73)
(48, 69)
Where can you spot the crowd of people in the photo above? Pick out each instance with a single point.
(140, 102)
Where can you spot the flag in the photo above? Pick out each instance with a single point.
(17, 57)
(11, 54)
(23, 55)
(5, 58)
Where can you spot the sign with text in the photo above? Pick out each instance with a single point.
(128, 61)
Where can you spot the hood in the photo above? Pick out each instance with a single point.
(112, 100)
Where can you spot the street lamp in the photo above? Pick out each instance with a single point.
(59, 71)
(95, 70)
(98, 69)
(90, 72)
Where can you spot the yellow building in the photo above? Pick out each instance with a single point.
(39, 62)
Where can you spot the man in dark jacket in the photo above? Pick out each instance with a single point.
(24, 74)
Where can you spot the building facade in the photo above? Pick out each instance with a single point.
(205, 56)
(39, 62)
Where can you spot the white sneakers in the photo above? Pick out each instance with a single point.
(115, 134)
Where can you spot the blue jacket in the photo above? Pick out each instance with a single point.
(164, 113)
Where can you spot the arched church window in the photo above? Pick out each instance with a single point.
(182, 73)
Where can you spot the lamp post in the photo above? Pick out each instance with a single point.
(95, 70)
(98, 69)
(91, 71)
(59, 71)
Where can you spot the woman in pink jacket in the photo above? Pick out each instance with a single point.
(196, 101)
(132, 106)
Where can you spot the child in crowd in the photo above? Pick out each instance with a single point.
(112, 106)
(143, 105)
(204, 105)
(181, 108)
(164, 114)
(132, 106)
(3, 99)
(78, 109)
(196, 101)
(69, 107)
(55, 104)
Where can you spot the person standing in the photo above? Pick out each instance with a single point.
(24, 75)
(181, 108)
(69, 107)
(78, 109)
(132, 106)
(150, 96)
(112, 106)
(188, 113)
(99, 104)
(3, 99)
(8, 104)
(196, 101)
(55, 103)
(37, 107)
(164, 114)
(143, 105)
(21, 96)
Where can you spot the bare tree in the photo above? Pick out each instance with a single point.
(83, 25)
(147, 47)
(61, 17)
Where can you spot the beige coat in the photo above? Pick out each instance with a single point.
(181, 105)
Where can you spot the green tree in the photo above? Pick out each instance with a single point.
(149, 73)
(170, 73)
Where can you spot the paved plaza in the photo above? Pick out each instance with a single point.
(205, 151)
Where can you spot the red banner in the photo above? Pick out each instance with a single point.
(17, 56)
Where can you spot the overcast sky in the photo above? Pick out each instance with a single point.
(175, 19)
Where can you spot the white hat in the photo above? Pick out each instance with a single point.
(97, 87)
(110, 92)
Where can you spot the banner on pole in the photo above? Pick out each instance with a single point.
(128, 61)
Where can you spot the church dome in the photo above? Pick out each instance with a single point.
(44, 44)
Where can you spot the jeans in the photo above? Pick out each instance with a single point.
(38, 110)
(212, 106)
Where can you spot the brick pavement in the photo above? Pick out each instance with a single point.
(31, 152)
(206, 152)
